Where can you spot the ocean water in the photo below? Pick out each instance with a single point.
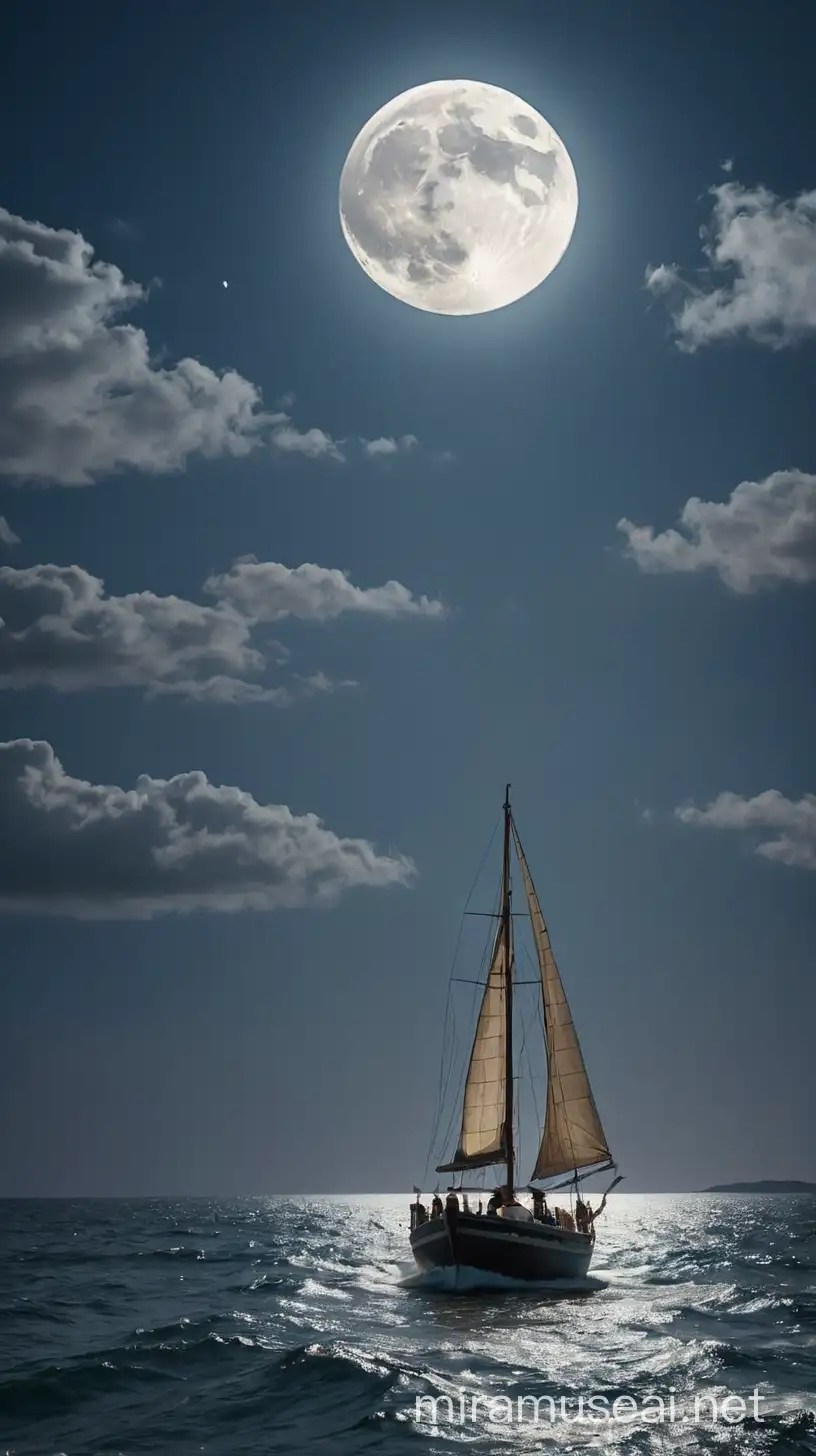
(243, 1326)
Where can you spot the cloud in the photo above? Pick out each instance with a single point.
(313, 443)
(166, 846)
(317, 683)
(389, 445)
(663, 278)
(267, 591)
(763, 248)
(121, 228)
(764, 534)
(80, 394)
(7, 536)
(792, 823)
(60, 630)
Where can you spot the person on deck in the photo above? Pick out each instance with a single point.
(436, 1206)
(494, 1202)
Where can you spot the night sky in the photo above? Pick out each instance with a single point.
(243, 796)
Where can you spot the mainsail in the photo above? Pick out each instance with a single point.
(573, 1137)
(481, 1140)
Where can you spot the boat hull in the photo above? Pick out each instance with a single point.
(517, 1250)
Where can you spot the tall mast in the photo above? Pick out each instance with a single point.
(508, 998)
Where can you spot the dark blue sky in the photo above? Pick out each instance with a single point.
(298, 1049)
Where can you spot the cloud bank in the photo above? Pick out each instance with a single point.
(791, 823)
(166, 846)
(59, 629)
(763, 535)
(760, 280)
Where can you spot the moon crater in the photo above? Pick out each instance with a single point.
(458, 198)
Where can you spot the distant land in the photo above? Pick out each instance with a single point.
(768, 1185)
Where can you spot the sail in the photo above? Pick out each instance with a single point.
(481, 1140)
(573, 1137)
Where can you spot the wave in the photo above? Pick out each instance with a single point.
(303, 1326)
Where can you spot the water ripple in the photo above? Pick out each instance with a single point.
(265, 1326)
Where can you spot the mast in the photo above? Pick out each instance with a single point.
(508, 998)
(486, 1133)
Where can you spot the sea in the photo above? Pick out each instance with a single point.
(248, 1326)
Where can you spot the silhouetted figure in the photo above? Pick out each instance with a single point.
(436, 1206)
(419, 1215)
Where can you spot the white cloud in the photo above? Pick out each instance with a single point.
(80, 394)
(97, 851)
(314, 443)
(389, 445)
(60, 630)
(7, 536)
(318, 684)
(765, 533)
(760, 280)
(663, 278)
(791, 823)
(268, 591)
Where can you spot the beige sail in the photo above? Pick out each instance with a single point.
(481, 1140)
(573, 1136)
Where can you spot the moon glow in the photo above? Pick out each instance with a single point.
(458, 198)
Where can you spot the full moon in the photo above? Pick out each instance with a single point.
(458, 198)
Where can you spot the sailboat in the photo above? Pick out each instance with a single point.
(509, 1238)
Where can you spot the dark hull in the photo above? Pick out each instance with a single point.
(518, 1250)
